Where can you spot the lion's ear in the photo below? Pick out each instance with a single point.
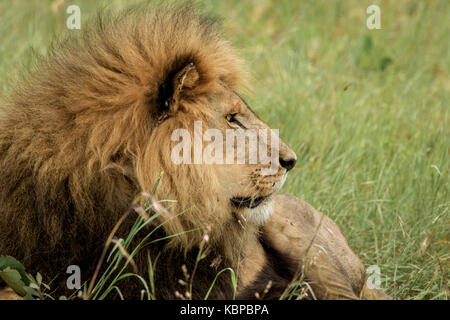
(184, 79)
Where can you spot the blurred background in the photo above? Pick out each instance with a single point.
(366, 111)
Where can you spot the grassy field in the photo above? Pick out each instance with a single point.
(367, 112)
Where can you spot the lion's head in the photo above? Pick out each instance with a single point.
(206, 144)
(97, 121)
(213, 149)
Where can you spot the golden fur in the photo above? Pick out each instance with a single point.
(83, 122)
(315, 242)
(91, 128)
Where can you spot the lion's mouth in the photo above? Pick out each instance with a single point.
(248, 202)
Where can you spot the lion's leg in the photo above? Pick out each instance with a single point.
(316, 243)
(373, 294)
(9, 294)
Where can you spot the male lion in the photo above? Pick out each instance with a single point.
(92, 127)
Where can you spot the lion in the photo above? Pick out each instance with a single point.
(92, 127)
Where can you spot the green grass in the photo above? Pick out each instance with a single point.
(365, 111)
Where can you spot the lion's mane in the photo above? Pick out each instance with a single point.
(77, 141)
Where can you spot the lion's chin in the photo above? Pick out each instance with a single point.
(248, 202)
(260, 214)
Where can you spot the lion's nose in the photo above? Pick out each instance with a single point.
(288, 164)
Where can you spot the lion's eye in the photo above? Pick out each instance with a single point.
(231, 117)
